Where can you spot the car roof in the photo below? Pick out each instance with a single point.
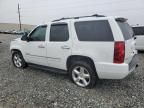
(139, 26)
(85, 18)
(118, 18)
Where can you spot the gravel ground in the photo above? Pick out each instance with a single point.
(37, 88)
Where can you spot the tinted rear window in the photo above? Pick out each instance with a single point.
(94, 31)
(138, 30)
(59, 32)
(126, 30)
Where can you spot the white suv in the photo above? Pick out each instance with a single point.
(139, 35)
(87, 48)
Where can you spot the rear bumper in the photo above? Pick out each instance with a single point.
(115, 71)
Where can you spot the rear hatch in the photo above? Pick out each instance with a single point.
(129, 40)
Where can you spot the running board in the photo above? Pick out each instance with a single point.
(46, 68)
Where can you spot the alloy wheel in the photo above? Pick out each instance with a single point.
(81, 76)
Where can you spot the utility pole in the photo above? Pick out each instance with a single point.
(19, 16)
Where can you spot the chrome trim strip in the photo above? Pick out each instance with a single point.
(42, 56)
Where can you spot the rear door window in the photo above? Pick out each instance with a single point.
(59, 32)
(126, 30)
(94, 31)
(138, 30)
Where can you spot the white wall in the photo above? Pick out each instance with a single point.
(42, 11)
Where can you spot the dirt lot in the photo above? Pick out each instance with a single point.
(8, 26)
(37, 88)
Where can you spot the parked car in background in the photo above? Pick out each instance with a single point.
(139, 34)
(87, 48)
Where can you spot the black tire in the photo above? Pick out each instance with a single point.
(90, 69)
(23, 63)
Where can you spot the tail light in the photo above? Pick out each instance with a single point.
(119, 52)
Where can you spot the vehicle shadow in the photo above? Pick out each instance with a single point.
(141, 52)
(113, 84)
(100, 85)
(47, 72)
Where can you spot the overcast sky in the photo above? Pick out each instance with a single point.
(42, 11)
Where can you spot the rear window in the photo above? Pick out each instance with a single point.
(94, 31)
(138, 30)
(126, 30)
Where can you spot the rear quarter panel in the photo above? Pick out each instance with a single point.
(99, 51)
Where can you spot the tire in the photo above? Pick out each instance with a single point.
(84, 70)
(18, 60)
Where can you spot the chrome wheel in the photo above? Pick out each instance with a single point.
(81, 76)
(17, 60)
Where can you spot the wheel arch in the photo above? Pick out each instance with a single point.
(15, 50)
(72, 58)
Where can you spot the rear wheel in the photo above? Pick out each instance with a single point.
(18, 60)
(83, 74)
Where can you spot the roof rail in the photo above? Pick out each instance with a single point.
(95, 15)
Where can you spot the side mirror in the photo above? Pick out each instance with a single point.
(24, 37)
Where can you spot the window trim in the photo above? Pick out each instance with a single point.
(60, 23)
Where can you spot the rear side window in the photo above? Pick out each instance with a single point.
(59, 32)
(94, 31)
(126, 30)
(138, 30)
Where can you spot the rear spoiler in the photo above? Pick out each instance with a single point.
(121, 19)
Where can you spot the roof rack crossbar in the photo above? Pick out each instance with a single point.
(95, 15)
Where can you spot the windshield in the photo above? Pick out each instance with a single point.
(126, 30)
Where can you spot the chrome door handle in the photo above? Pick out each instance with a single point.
(65, 47)
(41, 46)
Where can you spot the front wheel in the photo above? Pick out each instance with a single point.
(18, 60)
(83, 74)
